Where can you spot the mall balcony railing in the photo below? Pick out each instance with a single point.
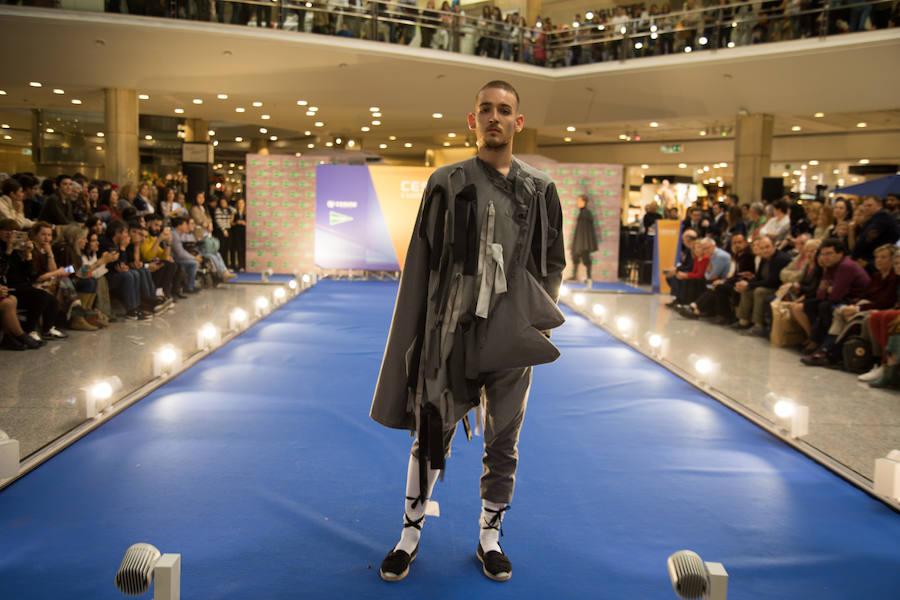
(616, 38)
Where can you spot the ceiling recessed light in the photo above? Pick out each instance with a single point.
(7, 137)
(796, 128)
(257, 104)
(437, 115)
(682, 166)
(365, 128)
(804, 167)
(211, 132)
(376, 123)
(100, 134)
(393, 138)
(298, 154)
(451, 135)
(864, 161)
(645, 166)
(786, 174)
(263, 130)
(836, 172)
(302, 102)
(216, 143)
(310, 113)
(813, 163)
(197, 101)
(313, 109)
(34, 83)
(143, 97)
(407, 145)
(382, 146)
(239, 139)
(148, 137)
(59, 91)
(307, 133)
(819, 115)
(703, 132)
(319, 124)
(76, 101)
(862, 124)
(274, 138)
(98, 147)
(329, 144)
(2, 92)
(570, 128)
(310, 145)
(179, 111)
(374, 109)
(622, 136)
(446, 144)
(265, 117)
(567, 139)
(376, 114)
(222, 96)
(240, 109)
(654, 124)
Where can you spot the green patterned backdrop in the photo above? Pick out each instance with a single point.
(281, 213)
(603, 185)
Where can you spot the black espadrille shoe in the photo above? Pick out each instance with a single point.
(395, 565)
(495, 564)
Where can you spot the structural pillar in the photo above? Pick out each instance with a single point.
(525, 142)
(532, 11)
(121, 131)
(259, 146)
(196, 130)
(752, 155)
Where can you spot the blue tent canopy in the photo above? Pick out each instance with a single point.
(880, 187)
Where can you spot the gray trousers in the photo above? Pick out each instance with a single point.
(506, 395)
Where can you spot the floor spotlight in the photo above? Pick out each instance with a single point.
(165, 360)
(563, 290)
(887, 475)
(237, 318)
(9, 456)
(306, 279)
(658, 344)
(293, 285)
(705, 367)
(261, 305)
(693, 578)
(791, 417)
(624, 325)
(599, 312)
(578, 299)
(143, 565)
(208, 337)
(278, 295)
(98, 396)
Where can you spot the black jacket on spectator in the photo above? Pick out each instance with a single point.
(107, 245)
(767, 274)
(880, 229)
(746, 263)
(15, 271)
(57, 212)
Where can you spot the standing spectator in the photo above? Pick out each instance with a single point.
(58, 209)
(169, 208)
(878, 228)
(202, 218)
(755, 293)
(12, 203)
(238, 248)
(222, 217)
(585, 239)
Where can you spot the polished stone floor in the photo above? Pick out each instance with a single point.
(39, 389)
(848, 421)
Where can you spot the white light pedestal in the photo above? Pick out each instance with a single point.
(887, 476)
(796, 425)
(166, 360)
(167, 577)
(208, 337)
(718, 582)
(98, 396)
(9, 456)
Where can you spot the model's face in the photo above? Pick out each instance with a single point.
(496, 118)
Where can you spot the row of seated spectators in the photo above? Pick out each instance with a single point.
(597, 36)
(831, 289)
(126, 260)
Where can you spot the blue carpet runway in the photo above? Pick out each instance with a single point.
(261, 467)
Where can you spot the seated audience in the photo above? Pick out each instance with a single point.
(169, 207)
(756, 293)
(150, 257)
(779, 226)
(756, 217)
(59, 208)
(878, 228)
(123, 282)
(843, 281)
(12, 203)
(689, 285)
(717, 269)
(17, 269)
(688, 237)
(96, 264)
(181, 235)
(825, 223)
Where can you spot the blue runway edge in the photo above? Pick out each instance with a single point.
(261, 467)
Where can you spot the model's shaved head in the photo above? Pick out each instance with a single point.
(503, 85)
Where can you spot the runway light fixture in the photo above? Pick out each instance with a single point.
(165, 359)
(261, 305)
(624, 325)
(97, 397)
(208, 337)
(279, 295)
(563, 290)
(692, 578)
(306, 279)
(578, 299)
(237, 319)
(599, 311)
(292, 284)
(792, 418)
(887, 476)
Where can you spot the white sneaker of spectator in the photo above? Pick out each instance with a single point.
(54, 334)
(872, 375)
